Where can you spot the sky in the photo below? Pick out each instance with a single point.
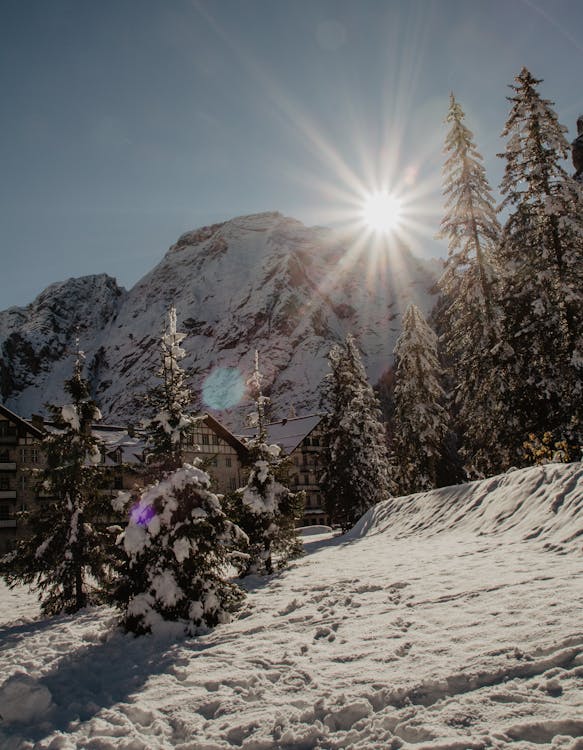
(128, 122)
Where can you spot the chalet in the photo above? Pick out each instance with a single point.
(123, 453)
(223, 455)
(20, 455)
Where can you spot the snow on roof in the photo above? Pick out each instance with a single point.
(288, 433)
(117, 438)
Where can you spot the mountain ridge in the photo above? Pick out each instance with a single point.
(261, 281)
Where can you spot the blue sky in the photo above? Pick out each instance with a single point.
(128, 122)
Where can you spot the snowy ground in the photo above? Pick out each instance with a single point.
(435, 624)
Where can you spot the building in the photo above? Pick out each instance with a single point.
(20, 456)
(301, 440)
(123, 453)
(223, 455)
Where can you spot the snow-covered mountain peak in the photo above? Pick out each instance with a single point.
(262, 281)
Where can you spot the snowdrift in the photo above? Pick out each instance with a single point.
(449, 620)
(543, 503)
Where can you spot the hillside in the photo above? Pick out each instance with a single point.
(263, 281)
(443, 621)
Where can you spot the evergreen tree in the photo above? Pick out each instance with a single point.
(468, 314)
(169, 401)
(470, 227)
(421, 421)
(541, 286)
(64, 553)
(178, 544)
(357, 472)
(265, 508)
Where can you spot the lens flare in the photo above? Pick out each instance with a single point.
(223, 388)
(141, 515)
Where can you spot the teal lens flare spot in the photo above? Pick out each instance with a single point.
(223, 388)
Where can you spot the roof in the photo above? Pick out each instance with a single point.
(226, 434)
(288, 433)
(22, 423)
(117, 439)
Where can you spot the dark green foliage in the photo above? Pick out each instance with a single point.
(421, 430)
(268, 512)
(467, 315)
(541, 279)
(169, 402)
(357, 473)
(178, 546)
(265, 508)
(64, 553)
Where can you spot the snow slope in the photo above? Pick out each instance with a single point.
(263, 281)
(420, 629)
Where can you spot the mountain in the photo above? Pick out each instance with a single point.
(262, 282)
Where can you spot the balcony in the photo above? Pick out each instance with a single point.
(7, 523)
(7, 465)
(7, 494)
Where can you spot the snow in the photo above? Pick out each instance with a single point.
(70, 415)
(263, 278)
(444, 621)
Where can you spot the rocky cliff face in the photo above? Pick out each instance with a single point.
(262, 281)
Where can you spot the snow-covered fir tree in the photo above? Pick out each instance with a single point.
(421, 421)
(169, 401)
(265, 508)
(541, 275)
(178, 544)
(468, 313)
(357, 472)
(64, 553)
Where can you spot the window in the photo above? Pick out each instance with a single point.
(23, 455)
(214, 461)
(228, 461)
(4, 483)
(205, 440)
(23, 480)
(7, 430)
(34, 455)
(4, 511)
(232, 483)
(4, 456)
(118, 482)
(316, 442)
(214, 439)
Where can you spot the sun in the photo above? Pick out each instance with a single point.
(382, 211)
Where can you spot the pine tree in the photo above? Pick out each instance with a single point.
(541, 286)
(468, 313)
(421, 421)
(178, 544)
(65, 551)
(169, 401)
(357, 471)
(470, 226)
(265, 508)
